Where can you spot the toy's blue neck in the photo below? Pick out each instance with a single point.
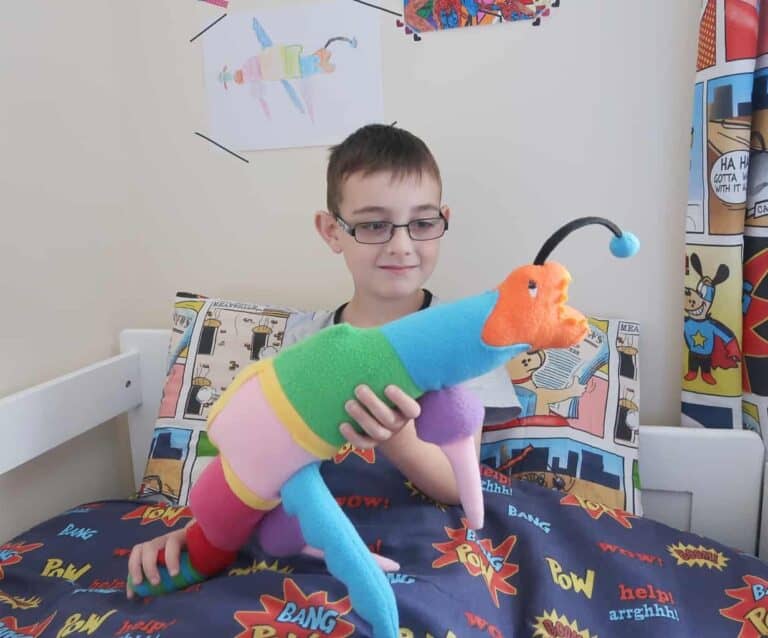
(442, 346)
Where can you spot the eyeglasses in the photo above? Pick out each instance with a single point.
(381, 232)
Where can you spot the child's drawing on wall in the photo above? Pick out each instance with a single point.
(285, 64)
(301, 75)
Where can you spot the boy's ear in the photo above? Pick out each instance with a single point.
(328, 229)
(446, 211)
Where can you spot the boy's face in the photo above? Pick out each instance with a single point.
(399, 267)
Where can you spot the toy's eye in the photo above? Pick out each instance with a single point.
(533, 288)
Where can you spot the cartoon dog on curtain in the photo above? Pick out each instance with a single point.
(711, 344)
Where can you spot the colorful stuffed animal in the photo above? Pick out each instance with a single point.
(279, 419)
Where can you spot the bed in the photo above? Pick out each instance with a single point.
(544, 564)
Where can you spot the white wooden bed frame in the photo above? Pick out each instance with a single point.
(710, 482)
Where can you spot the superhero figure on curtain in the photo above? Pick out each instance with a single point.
(711, 344)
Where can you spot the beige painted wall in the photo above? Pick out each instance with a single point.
(68, 234)
(110, 204)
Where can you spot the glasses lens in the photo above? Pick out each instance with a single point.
(424, 229)
(373, 232)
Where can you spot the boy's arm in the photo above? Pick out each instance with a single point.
(424, 464)
(392, 430)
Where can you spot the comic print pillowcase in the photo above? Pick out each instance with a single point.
(577, 431)
(211, 341)
(578, 428)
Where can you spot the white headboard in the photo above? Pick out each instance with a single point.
(152, 347)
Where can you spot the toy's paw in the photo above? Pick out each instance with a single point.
(386, 564)
(187, 576)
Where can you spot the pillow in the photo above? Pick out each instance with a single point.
(576, 431)
(211, 341)
(578, 428)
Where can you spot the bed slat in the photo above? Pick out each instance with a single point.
(42, 417)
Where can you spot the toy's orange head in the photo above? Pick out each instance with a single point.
(531, 305)
(531, 309)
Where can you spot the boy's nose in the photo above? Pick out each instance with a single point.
(401, 240)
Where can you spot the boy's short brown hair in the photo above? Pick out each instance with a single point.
(375, 148)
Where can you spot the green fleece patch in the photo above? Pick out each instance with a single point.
(320, 374)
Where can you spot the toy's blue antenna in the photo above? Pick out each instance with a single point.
(623, 243)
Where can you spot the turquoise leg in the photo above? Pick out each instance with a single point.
(325, 527)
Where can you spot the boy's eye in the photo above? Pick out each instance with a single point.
(424, 224)
(374, 226)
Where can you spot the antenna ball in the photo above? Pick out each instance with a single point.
(625, 246)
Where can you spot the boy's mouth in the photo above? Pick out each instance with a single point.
(398, 268)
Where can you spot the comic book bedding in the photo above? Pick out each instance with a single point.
(546, 564)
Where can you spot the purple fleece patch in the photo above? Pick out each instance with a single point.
(279, 533)
(449, 414)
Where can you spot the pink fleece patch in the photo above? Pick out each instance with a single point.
(254, 442)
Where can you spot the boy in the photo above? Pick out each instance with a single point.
(385, 217)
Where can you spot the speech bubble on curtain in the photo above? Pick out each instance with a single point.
(728, 177)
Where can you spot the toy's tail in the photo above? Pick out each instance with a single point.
(325, 526)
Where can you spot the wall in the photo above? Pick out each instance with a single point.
(111, 204)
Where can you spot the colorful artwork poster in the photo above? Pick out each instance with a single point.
(301, 75)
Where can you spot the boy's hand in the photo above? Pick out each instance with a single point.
(378, 420)
(143, 559)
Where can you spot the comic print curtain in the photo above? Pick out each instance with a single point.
(725, 367)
